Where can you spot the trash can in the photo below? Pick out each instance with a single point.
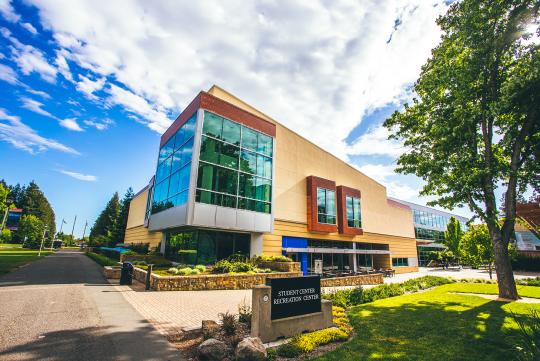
(126, 274)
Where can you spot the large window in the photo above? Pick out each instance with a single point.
(400, 262)
(174, 165)
(235, 166)
(205, 247)
(326, 206)
(354, 219)
(429, 234)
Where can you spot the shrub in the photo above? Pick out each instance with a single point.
(263, 258)
(5, 236)
(526, 263)
(309, 341)
(527, 343)
(195, 271)
(382, 291)
(186, 271)
(529, 282)
(244, 312)
(271, 354)
(226, 266)
(173, 270)
(139, 263)
(201, 267)
(140, 248)
(101, 259)
(229, 323)
(288, 350)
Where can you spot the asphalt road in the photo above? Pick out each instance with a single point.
(62, 308)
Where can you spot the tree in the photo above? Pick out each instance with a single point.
(476, 248)
(121, 222)
(452, 236)
(35, 203)
(4, 191)
(106, 221)
(32, 228)
(474, 125)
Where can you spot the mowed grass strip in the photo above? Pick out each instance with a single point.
(435, 325)
(11, 258)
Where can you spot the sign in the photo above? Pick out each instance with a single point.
(294, 296)
(318, 266)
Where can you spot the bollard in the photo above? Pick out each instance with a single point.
(148, 275)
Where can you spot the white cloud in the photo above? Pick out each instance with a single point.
(62, 64)
(36, 107)
(375, 142)
(7, 74)
(30, 59)
(30, 28)
(89, 86)
(39, 93)
(7, 11)
(21, 136)
(99, 125)
(307, 64)
(79, 176)
(71, 124)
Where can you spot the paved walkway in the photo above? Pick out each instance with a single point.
(172, 312)
(62, 308)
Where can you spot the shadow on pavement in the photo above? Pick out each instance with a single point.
(93, 343)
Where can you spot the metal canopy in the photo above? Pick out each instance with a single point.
(336, 250)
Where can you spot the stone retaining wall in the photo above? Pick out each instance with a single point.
(280, 266)
(208, 282)
(112, 272)
(358, 280)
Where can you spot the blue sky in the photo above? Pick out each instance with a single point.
(85, 93)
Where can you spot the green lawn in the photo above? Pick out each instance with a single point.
(102, 260)
(11, 258)
(10, 245)
(435, 325)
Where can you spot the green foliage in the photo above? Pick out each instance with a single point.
(201, 267)
(474, 125)
(106, 222)
(99, 241)
(229, 323)
(476, 247)
(35, 203)
(356, 296)
(288, 350)
(263, 258)
(271, 354)
(527, 343)
(308, 342)
(523, 262)
(244, 312)
(5, 236)
(4, 191)
(119, 230)
(139, 248)
(101, 259)
(226, 266)
(529, 282)
(452, 236)
(31, 228)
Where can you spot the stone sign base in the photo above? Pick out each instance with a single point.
(267, 330)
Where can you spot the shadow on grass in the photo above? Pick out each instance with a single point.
(94, 343)
(429, 330)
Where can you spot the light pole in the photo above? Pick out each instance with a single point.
(42, 239)
(84, 231)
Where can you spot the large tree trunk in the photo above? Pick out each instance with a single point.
(503, 267)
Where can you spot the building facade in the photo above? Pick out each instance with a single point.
(231, 180)
(429, 227)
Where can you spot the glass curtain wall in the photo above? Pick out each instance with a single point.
(205, 247)
(235, 166)
(354, 219)
(326, 206)
(174, 165)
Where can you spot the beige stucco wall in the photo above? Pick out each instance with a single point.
(135, 230)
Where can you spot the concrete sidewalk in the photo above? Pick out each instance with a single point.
(62, 308)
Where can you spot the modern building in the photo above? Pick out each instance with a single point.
(527, 228)
(429, 227)
(231, 180)
(13, 219)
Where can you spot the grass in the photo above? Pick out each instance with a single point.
(102, 260)
(11, 258)
(10, 245)
(436, 325)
